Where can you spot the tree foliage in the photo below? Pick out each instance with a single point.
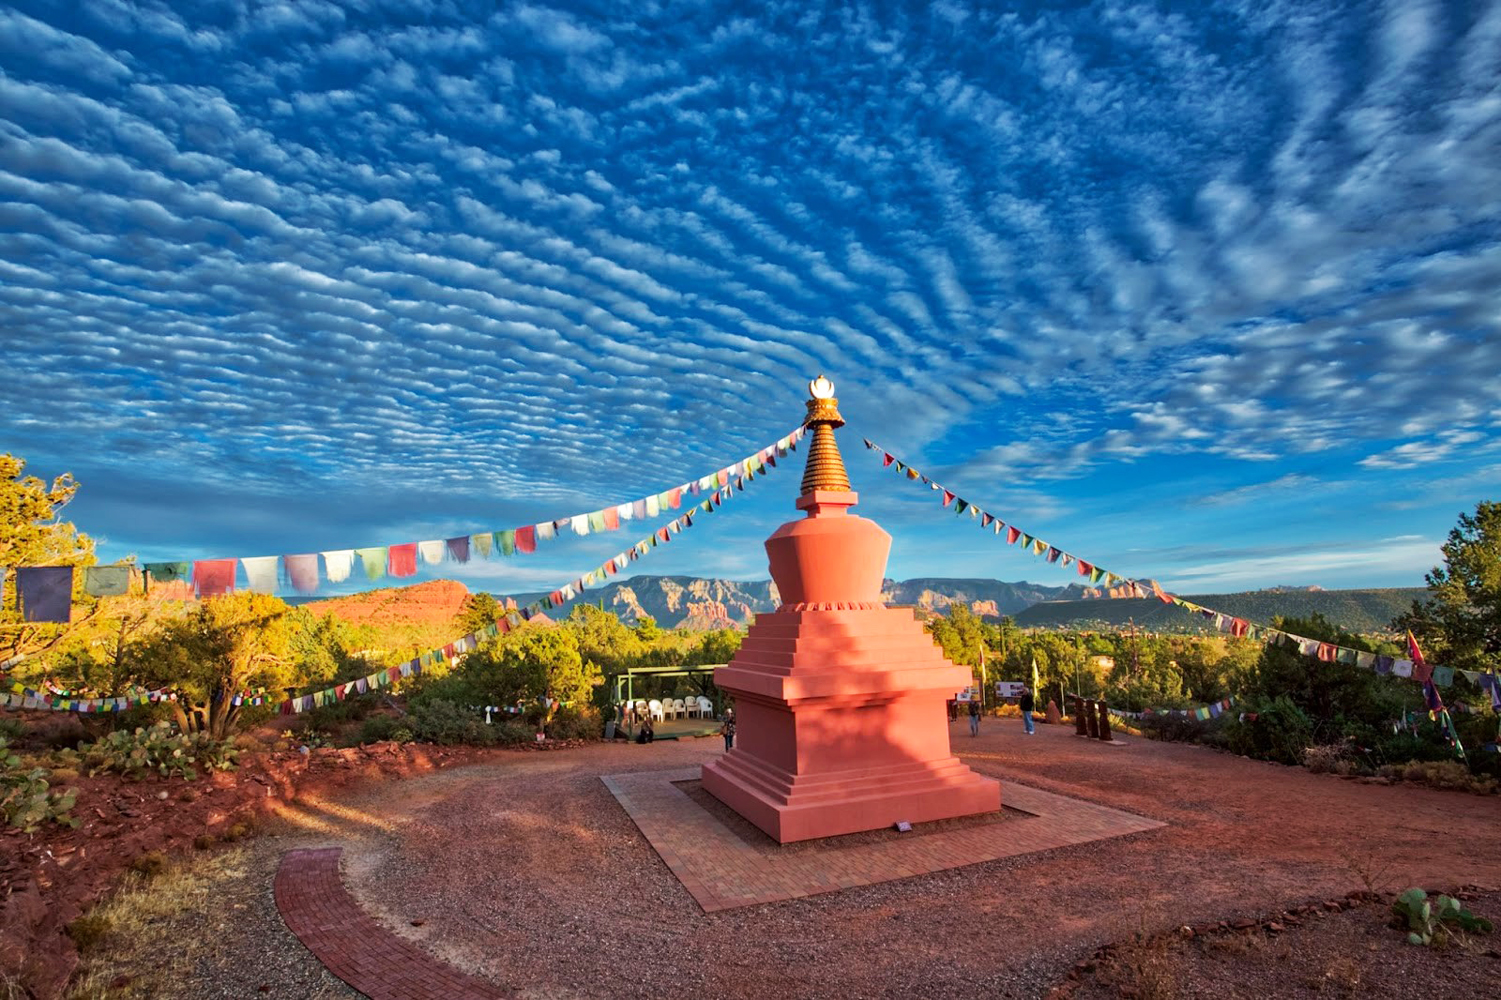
(479, 610)
(219, 649)
(32, 533)
(1460, 624)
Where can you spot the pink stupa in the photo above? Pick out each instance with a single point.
(840, 701)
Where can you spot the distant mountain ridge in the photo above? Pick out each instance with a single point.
(699, 603)
(424, 613)
(1352, 610)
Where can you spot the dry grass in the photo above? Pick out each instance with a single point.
(136, 937)
(1373, 870)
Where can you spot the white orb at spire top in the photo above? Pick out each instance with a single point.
(821, 388)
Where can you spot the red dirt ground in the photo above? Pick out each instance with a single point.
(49, 878)
(526, 872)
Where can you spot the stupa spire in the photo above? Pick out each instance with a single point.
(825, 468)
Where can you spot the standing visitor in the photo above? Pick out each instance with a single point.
(1026, 705)
(974, 717)
(728, 730)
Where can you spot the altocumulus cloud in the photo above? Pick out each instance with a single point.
(497, 261)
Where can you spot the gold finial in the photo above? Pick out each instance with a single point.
(825, 468)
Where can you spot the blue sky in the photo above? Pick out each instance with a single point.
(1208, 295)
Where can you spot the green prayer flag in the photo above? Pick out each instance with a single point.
(167, 572)
(374, 561)
(106, 581)
(506, 541)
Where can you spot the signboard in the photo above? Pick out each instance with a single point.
(1008, 689)
(968, 694)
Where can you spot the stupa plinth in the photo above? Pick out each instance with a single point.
(840, 701)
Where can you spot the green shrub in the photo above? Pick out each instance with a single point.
(26, 795)
(1171, 728)
(380, 728)
(448, 723)
(513, 732)
(572, 722)
(1280, 732)
(138, 752)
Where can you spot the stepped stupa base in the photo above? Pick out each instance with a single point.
(843, 725)
(789, 808)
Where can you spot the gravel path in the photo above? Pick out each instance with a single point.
(524, 870)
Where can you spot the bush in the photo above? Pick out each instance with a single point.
(150, 864)
(1326, 759)
(447, 723)
(138, 752)
(380, 728)
(26, 796)
(1172, 728)
(572, 722)
(1280, 732)
(512, 733)
(88, 930)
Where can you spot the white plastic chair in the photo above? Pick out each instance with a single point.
(640, 711)
(690, 706)
(705, 707)
(656, 710)
(679, 708)
(667, 711)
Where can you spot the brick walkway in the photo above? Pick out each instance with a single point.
(722, 870)
(315, 905)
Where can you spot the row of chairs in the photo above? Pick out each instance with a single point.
(672, 708)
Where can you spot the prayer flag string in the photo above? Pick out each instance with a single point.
(1106, 583)
(515, 617)
(300, 572)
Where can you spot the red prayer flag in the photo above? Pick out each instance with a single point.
(212, 577)
(1421, 671)
(401, 560)
(675, 498)
(1012, 534)
(612, 518)
(526, 538)
(887, 460)
(1085, 569)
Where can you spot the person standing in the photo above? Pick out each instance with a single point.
(728, 730)
(1026, 704)
(974, 717)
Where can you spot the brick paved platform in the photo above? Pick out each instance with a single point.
(723, 868)
(317, 908)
